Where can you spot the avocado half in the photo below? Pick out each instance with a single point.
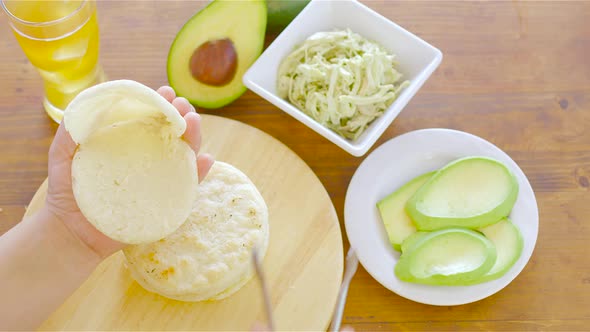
(213, 50)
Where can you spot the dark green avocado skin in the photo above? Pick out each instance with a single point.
(281, 12)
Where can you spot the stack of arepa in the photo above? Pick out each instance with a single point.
(135, 179)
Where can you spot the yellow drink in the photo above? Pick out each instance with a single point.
(61, 40)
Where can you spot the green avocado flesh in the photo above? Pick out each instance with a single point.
(282, 12)
(393, 214)
(243, 23)
(409, 242)
(448, 257)
(508, 242)
(470, 192)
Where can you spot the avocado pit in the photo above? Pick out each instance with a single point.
(214, 62)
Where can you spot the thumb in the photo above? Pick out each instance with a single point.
(63, 146)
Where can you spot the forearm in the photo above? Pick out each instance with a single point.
(41, 264)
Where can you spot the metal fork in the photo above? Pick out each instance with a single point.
(352, 264)
(263, 286)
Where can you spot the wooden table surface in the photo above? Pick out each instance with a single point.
(516, 73)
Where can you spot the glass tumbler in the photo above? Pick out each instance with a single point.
(61, 39)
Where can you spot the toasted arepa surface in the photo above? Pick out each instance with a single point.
(209, 256)
(133, 176)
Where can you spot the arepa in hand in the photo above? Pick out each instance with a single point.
(134, 178)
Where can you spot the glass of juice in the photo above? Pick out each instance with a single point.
(60, 38)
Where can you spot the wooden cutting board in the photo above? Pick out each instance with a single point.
(303, 264)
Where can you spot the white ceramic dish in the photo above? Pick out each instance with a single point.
(417, 60)
(398, 161)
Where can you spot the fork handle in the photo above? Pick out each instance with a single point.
(351, 267)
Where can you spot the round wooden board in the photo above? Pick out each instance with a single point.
(303, 264)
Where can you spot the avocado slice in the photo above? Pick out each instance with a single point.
(448, 257)
(471, 192)
(411, 240)
(282, 12)
(509, 243)
(393, 214)
(213, 50)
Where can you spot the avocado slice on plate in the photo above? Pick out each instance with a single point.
(449, 257)
(214, 49)
(411, 240)
(393, 214)
(471, 192)
(508, 241)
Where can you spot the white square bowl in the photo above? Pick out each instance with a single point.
(417, 60)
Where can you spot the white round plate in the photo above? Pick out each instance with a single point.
(398, 161)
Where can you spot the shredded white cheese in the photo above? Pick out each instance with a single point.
(341, 80)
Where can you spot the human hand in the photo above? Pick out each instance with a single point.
(60, 202)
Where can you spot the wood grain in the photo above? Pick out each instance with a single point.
(303, 263)
(514, 72)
